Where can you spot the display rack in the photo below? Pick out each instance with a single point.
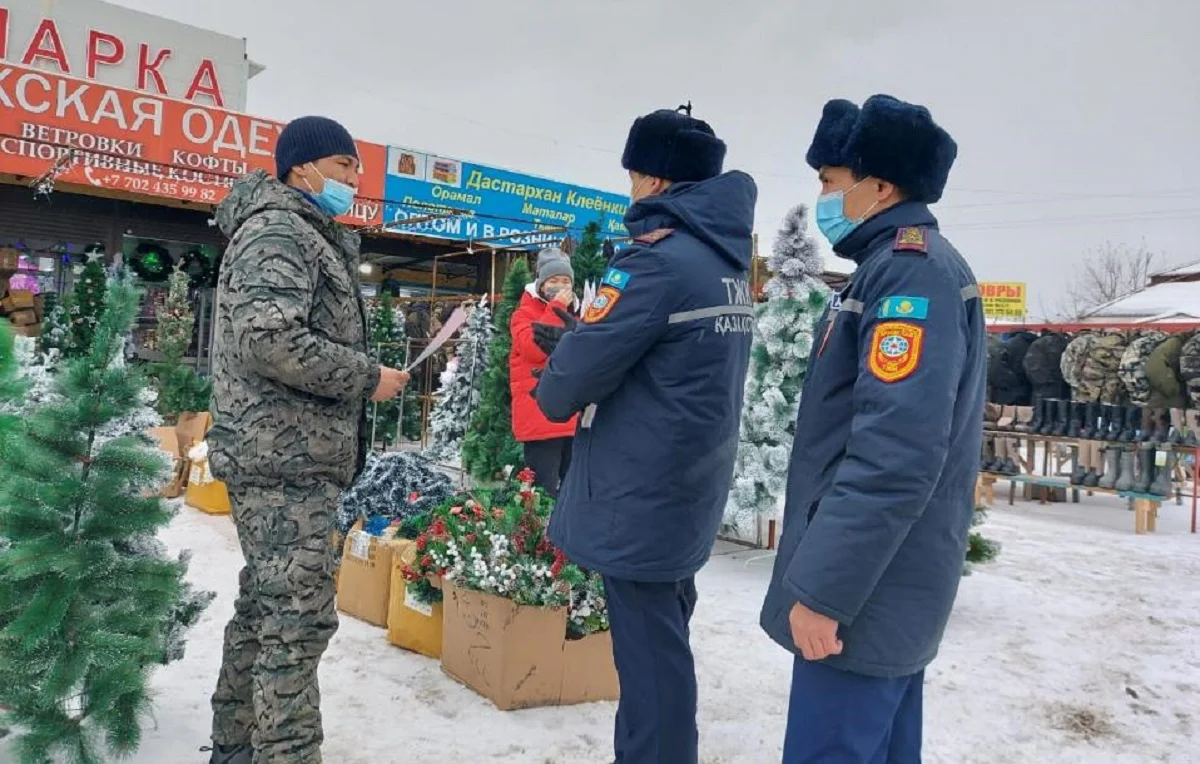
(1145, 506)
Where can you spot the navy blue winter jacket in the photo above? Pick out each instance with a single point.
(658, 368)
(880, 492)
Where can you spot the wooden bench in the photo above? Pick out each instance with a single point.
(1144, 506)
(1037, 481)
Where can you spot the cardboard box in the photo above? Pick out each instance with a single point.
(412, 625)
(39, 307)
(204, 492)
(10, 260)
(32, 330)
(364, 581)
(18, 300)
(518, 656)
(23, 317)
(191, 428)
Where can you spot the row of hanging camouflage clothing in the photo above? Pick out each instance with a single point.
(1138, 392)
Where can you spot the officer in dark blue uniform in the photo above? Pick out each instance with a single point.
(880, 491)
(657, 367)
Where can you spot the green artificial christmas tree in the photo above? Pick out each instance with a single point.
(783, 339)
(980, 549)
(89, 601)
(389, 346)
(179, 387)
(489, 446)
(588, 260)
(87, 303)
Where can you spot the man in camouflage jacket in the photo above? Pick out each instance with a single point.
(291, 379)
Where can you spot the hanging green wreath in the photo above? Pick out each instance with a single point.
(200, 268)
(152, 262)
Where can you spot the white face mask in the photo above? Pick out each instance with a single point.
(553, 291)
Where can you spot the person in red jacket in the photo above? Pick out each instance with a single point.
(547, 445)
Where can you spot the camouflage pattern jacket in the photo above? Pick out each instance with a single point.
(1071, 363)
(1189, 368)
(1099, 380)
(291, 373)
(1133, 366)
(1162, 370)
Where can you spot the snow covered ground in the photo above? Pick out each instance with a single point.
(1078, 645)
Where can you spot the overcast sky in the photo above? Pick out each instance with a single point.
(1077, 121)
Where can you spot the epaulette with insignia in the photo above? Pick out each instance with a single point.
(655, 236)
(911, 239)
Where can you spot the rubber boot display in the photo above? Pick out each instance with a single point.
(1161, 429)
(1112, 467)
(1145, 459)
(1008, 418)
(1075, 426)
(988, 456)
(1114, 421)
(1126, 476)
(1062, 418)
(1162, 483)
(1091, 478)
(1133, 420)
(1175, 437)
(1191, 438)
(1080, 454)
(1007, 465)
(1024, 417)
(1146, 428)
(1091, 413)
(1039, 417)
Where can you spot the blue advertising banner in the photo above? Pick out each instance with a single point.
(491, 202)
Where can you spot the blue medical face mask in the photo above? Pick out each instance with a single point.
(831, 216)
(336, 198)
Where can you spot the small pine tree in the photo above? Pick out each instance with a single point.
(588, 260)
(980, 549)
(88, 602)
(461, 387)
(389, 346)
(489, 446)
(87, 304)
(783, 339)
(180, 388)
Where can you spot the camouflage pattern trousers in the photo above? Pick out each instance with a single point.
(267, 693)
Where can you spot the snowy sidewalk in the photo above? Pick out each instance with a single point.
(1077, 645)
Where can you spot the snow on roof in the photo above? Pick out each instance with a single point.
(1189, 269)
(1177, 299)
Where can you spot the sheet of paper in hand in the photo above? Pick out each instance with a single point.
(452, 325)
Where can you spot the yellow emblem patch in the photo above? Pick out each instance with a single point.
(602, 304)
(895, 350)
(910, 240)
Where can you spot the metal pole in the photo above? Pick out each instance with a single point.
(403, 394)
(375, 409)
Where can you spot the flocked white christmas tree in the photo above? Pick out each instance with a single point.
(460, 387)
(783, 339)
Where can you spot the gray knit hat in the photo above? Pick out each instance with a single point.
(552, 262)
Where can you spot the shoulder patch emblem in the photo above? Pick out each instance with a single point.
(655, 236)
(602, 304)
(911, 239)
(898, 306)
(616, 278)
(895, 350)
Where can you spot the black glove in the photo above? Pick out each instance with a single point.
(537, 375)
(546, 336)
